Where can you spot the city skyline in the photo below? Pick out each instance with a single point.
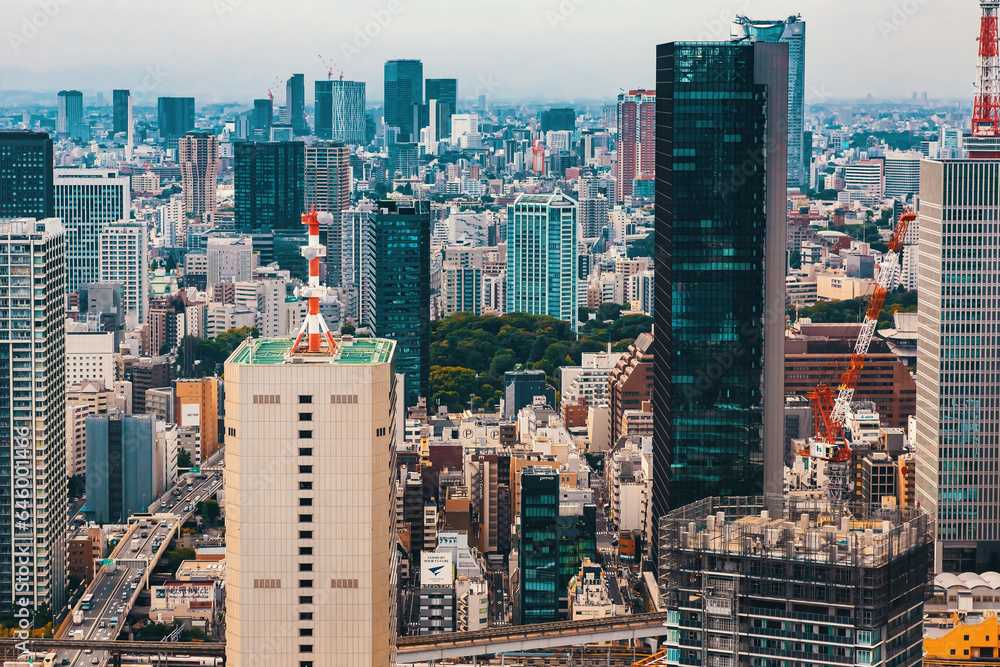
(39, 44)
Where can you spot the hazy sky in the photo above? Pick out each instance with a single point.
(551, 50)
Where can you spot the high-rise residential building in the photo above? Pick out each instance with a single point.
(594, 208)
(328, 190)
(263, 116)
(175, 116)
(123, 258)
(956, 434)
(445, 91)
(404, 94)
(791, 31)
(121, 110)
(198, 155)
(311, 556)
(197, 405)
(340, 111)
(630, 384)
(902, 174)
(33, 415)
(721, 231)
(69, 115)
(636, 139)
(26, 172)
(121, 460)
(87, 201)
(542, 264)
(269, 186)
(398, 286)
(295, 104)
(554, 120)
(354, 256)
(788, 580)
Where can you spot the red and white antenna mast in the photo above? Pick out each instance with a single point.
(314, 324)
(986, 109)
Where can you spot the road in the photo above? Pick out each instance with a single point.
(114, 594)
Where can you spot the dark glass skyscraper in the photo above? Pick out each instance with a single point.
(399, 265)
(721, 136)
(263, 116)
(324, 109)
(269, 186)
(558, 119)
(120, 106)
(538, 549)
(295, 102)
(404, 88)
(175, 116)
(69, 115)
(26, 175)
(445, 91)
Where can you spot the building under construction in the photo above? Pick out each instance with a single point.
(743, 586)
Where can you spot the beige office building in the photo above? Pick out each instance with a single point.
(310, 540)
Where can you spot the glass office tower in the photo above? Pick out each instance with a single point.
(720, 249)
(538, 549)
(404, 95)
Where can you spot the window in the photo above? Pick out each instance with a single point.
(305, 451)
(305, 502)
(305, 583)
(305, 518)
(305, 551)
(305, 470)
(305, 663)
(305, 534)
(305, 632)
(305, 486)
(305, 567)
(305, 416)
(305, 434)
(305, 399)
(305, 616)
(379, 432)
(305, 648)
(305, 599)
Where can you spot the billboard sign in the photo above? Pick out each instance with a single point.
(436, 569)
(191, 414)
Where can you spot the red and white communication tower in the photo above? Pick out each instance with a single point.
(314, 325)
(986, 109)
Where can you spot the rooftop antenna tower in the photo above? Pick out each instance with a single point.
(314, 325)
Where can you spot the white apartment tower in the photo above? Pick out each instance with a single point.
(87, 201)
(32, 414)
(124, 259)
(958, 379)
(310, 502)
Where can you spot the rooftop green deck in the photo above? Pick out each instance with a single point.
(274, 351)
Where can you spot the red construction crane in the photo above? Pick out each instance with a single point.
(330, 66)
(829, 443)
(986, 108)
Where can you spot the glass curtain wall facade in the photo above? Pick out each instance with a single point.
(26, 172)
(720, 169)
(348, 112)
(445, 91)
(404, 88)
(269, 186)
(539, 545)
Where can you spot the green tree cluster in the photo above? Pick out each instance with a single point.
(211, 354)
(470, 354)
(853, 310)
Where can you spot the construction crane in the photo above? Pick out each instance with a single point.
(330, 66)
(829, 443)
(274, 86)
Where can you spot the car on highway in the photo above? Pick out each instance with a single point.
(95, 661)
(102, 624)
(89, 651)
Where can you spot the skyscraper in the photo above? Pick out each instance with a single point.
(328, 190)
(538, 548)
(122, 110)
(295, 103)
(552, 120)
(957, 412)
(310, 547)
(791, 31)
(198, 154)
(720, 245)
(121, 460)
(33, 415)
(25, 174)
(399, 257)
(324, 109)
(542, 251)
(87, 201)
(636, 139)
(269, 186)
(404, 88)
(175, 116)
(69, 115)
(445, 91)
(347, 112)
(124, 259)
(263, 116)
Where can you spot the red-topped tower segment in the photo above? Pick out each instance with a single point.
(314, 325)
(986, 109)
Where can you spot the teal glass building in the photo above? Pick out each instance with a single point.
(121, 453)
(538, 548)
(270, 188)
